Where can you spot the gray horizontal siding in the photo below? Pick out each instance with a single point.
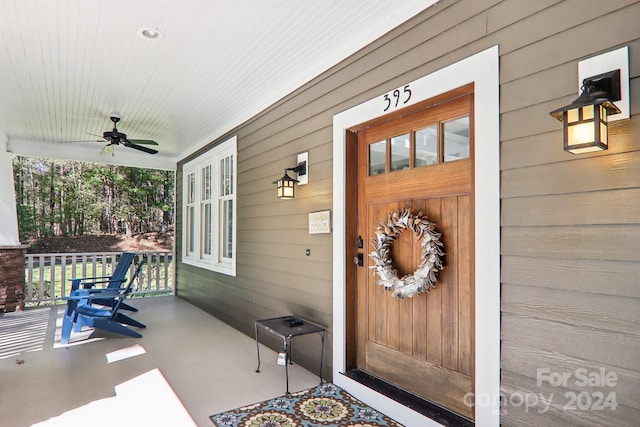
(570, 224)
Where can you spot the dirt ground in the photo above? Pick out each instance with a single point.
(148, 242)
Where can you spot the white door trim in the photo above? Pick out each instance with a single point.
(482, 69)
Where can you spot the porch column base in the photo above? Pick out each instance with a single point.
(12, 260)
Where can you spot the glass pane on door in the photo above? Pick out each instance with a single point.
(377, 158)
(456, 139)
(426, 146)
(400, 146)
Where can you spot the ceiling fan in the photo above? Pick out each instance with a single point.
(115, 137)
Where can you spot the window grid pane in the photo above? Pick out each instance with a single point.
(426, 146)
(191, 229)
(226, 209)
(400, 146)
(456, 139)
(190, 217)
(229, 176)
(227, 229)
(226, 176)
(377, 158)
(206, 183)
(191, 184)
(206, 229)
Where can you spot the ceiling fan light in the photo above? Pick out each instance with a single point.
(108, 149)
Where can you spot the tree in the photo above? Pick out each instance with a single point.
(72, 198)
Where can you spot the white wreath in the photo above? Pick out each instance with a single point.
(425, 275)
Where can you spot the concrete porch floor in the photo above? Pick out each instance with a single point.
(207, 364)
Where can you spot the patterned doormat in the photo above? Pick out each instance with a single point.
(324, 405)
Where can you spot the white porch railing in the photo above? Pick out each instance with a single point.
(47, 276)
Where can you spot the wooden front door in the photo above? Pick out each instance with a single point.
(422, 160)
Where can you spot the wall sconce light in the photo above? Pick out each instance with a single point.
(605, 80)
(285, 186)
(585, 119)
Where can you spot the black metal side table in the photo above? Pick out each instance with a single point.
(288, 327)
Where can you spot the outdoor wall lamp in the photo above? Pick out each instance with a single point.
(285, 186)
(585, 119)
(605, 80)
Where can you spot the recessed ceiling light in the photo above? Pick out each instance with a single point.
(150, 33)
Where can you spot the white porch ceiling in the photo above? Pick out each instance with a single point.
(65, 65)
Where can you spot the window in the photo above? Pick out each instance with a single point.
(440, 142)
(209, 209)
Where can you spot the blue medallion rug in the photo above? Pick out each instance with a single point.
(324, 405)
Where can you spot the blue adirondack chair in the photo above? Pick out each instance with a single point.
(80, 312)
(117, 279)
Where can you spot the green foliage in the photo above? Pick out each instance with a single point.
(27, 220)
(35, 291)
(72, 198)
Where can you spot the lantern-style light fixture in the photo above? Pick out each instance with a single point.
(285, 186)
(585, 119)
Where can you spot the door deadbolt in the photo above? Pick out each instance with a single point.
(358, 260)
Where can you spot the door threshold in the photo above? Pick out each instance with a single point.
(428, 409)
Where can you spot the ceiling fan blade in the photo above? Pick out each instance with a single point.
(143, 141)
(82, 140)
(87, 140)
(141, 148)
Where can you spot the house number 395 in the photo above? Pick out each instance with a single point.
(393, 99)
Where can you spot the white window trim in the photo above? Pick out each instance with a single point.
(214, 261)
